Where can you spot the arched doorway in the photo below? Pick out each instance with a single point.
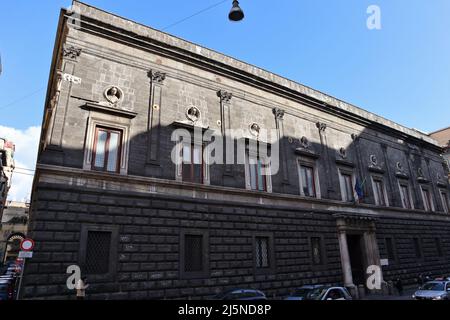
(13, 247)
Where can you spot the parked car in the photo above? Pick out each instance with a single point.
(433, 290)
(302, 292)
(241, 294)
(329, 293)
(6, 290)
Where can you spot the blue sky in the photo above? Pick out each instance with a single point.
(401, 72)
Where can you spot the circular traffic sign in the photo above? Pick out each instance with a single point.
(27, 245)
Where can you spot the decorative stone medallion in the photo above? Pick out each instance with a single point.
(343, 153)
(193, 114)
(373, 160)
(304, 142)
(113, 94)
(254, 129)
(420, 172)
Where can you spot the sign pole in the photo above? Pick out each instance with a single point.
(20, 281)
(26, 246)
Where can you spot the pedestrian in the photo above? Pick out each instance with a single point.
(81, 288)
(399, 286)
(420, 280)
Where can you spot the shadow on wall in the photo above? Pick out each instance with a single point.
(309, 169)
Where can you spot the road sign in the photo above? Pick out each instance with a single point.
(26, 254)
(27, 245)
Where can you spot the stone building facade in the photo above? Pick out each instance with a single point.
(7, 166)
(443, 138)
(109, 197)
(13, 229)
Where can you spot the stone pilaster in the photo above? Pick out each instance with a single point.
(279, 117)
(70, 55)
(225, 126)
(154, 116)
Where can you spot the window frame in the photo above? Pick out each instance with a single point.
(108, 122)
(342, 184)
(394, 250)
(310, 164)
(179, 147)
(267, 169)
(270, 251)
(439, 248)
(322, 251)
(108, 130)
(113, 261)
(205, 254)
(192, 146)
(429, 207)
(376, 179)
(444, 200)
(402, 184)
(418, 248)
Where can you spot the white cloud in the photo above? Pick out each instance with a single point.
(25, 156)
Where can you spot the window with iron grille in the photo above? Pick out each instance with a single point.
(98, 252)
(390, 249)
(316, 250)
(193, 253)
(417, 248)
(262, 255)
(439, 247)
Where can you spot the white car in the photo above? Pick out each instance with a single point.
(433, 290)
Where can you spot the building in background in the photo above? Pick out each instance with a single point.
(352, 189)
(13, 229)
(443, 138)
(7, 149)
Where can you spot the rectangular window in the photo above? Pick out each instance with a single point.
(379, 192)
(98, 252)
(316, 251)
(427, 201)
(444, 199)
(417, 248)
(257, 170)
(193, 253)
(439, 247)
(307, 181)
(347, 187)
(192, 168)
(390, 251)
(405, 195)
(107, 148)
(262, 254)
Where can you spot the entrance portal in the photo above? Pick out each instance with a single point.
(358, 247)
(356, 252)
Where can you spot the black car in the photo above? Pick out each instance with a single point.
(241, 294)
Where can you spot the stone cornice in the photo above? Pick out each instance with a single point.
(136, 185)
(108, 109)
(99, 22)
